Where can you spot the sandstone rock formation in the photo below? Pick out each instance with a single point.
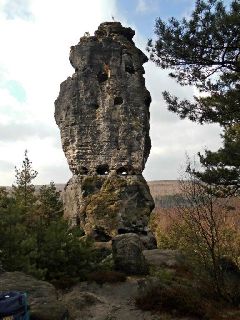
(103, 115)
(127, 254)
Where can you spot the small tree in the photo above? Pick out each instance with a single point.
(12, 232)
(34, 236)
(206, 228)
(24, 190)
(50, 206)
(203, 50)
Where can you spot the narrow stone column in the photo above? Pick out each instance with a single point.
(103, 115)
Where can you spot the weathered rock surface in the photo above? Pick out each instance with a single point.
(164, 258)
(103, 109)
(103, 115)
(109, 205)
(42, 296)
(127, 254)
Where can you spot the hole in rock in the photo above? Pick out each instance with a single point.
(129, 68)
(102, 76)
(118, 100)
(122, 231)
(99, 234)
(83, 170)
(78, 221)
(95, 106)
(124, 171)
(103, 169)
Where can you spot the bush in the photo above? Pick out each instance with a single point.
(174, 298)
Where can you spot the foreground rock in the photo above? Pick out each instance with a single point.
(105, 302)
(127, 254)
(110, 302)
(42, 296)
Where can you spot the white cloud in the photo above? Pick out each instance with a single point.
(35, 55)
(17, 9)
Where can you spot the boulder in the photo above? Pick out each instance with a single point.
(148, 240)
(164, 258)
(127, 254)
(42, 296)
(110, 205)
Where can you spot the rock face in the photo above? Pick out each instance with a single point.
(110, 205)
(42, 296)
(103, 115)
(164, 258)
(127, 254)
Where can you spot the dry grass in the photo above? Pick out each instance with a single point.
(175, 299)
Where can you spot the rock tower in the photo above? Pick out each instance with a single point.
(103, 115)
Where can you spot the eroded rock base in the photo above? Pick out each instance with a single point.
(105, 206)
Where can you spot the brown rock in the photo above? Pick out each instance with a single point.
(103, 115)
(42, 296)
(109, 205)
(127, 254)
(103, 109)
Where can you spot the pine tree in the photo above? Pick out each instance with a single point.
(204, 51)
(50, 206)
(24, 190)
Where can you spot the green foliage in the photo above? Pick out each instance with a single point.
(204, 51)
(173, 238)
(12, 232)
(24, 190)
(62, 254)
(49, 203)
(34, 236)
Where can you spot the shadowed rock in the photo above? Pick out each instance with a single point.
(127, 254)
(42, 296)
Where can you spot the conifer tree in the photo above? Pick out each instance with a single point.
(24, 190)
(50, 205)
(204, 50)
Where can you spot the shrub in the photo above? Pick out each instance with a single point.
(177, 299)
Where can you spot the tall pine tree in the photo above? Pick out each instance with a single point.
(204, 50)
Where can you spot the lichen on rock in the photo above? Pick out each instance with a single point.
(103, 115)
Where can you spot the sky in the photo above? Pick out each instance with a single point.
(35, 37)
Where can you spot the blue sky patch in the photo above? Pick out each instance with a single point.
(16, 90)
(145, 12)
(17, 9)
